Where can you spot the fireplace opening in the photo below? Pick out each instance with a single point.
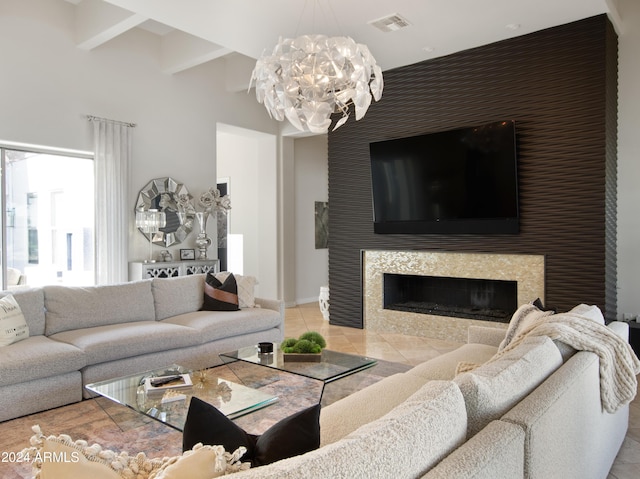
(483, 299)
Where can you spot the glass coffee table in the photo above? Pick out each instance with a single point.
(332, 365)
(171, 405)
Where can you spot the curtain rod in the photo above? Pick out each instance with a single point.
(97, 118)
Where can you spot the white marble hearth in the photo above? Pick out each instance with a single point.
(526, 270)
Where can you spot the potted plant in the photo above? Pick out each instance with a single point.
(308, 347)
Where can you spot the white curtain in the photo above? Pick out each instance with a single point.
(112, 147)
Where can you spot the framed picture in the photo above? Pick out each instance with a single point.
(187, 254)
(322, 224)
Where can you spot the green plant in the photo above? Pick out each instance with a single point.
(288, 343)
(304, 346)
(308, 343)
(314, 338)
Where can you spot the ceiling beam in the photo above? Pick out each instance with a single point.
(98, 22)
(181, 51)
(238, 70)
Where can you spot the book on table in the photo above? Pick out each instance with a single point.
(172, 382)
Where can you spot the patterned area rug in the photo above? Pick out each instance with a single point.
(119, 428)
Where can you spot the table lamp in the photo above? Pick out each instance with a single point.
(149, 222)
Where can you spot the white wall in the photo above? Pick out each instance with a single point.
(311, 185)
(48, 86)
(248, 160)
(287, 211)
(629, 159)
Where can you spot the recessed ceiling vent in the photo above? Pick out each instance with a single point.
(390, 23)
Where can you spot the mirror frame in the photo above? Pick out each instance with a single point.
(156, 192)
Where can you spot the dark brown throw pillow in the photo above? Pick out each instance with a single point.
(292, 436)
(220, 296)
(538, 304)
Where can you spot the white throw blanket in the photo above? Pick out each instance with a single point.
(618, 363)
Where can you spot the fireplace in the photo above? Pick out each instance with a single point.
(500, 281)
(483, 299)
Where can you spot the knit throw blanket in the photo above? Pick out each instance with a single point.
(618, 363)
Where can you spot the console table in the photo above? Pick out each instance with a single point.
(171, 269)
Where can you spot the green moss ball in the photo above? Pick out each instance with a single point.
(305, 346)
(288, 344)
(314, 337)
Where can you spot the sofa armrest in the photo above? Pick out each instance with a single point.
(620, 328)
(567, 409)
(273, 304)
(485, 335)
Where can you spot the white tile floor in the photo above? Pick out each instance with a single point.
(413, 350)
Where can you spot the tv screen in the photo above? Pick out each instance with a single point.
(458, 181)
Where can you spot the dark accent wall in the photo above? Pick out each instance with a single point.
(559, 85)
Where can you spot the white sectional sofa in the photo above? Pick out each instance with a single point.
(534, 412)
(535, 408)
(79, 335)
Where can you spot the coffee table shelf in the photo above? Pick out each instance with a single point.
(332, 366)
(171, 406)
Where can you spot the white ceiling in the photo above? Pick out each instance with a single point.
(196, 31)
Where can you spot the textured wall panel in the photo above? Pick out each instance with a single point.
(611, 191)
(559, 87)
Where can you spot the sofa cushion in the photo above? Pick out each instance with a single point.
(13, 326)
(521, 321)
(291, 436)
(246, 288)
(31, 303)
(496, 386)
(117, 341)
(38, 357)
(213, 325)
(589, 311)
(174, 296)
(202, 462)
(406, 442)
(220, 296)
(69, 308)
(444, 366)
(366, 405)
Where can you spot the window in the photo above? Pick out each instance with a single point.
(48, 220)
(32, 227)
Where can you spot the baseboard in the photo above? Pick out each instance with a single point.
(313, 299)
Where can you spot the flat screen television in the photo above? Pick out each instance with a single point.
(462, 181)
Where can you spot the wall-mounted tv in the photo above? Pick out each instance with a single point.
(462, 181)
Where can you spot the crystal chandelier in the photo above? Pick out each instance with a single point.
(309, 78)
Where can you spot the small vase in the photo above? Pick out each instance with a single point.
(202, 241)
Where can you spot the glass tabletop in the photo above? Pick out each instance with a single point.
(169, 403)
(331, 366)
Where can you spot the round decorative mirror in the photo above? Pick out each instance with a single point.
(162, 194)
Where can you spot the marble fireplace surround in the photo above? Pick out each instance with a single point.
(526, 269)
